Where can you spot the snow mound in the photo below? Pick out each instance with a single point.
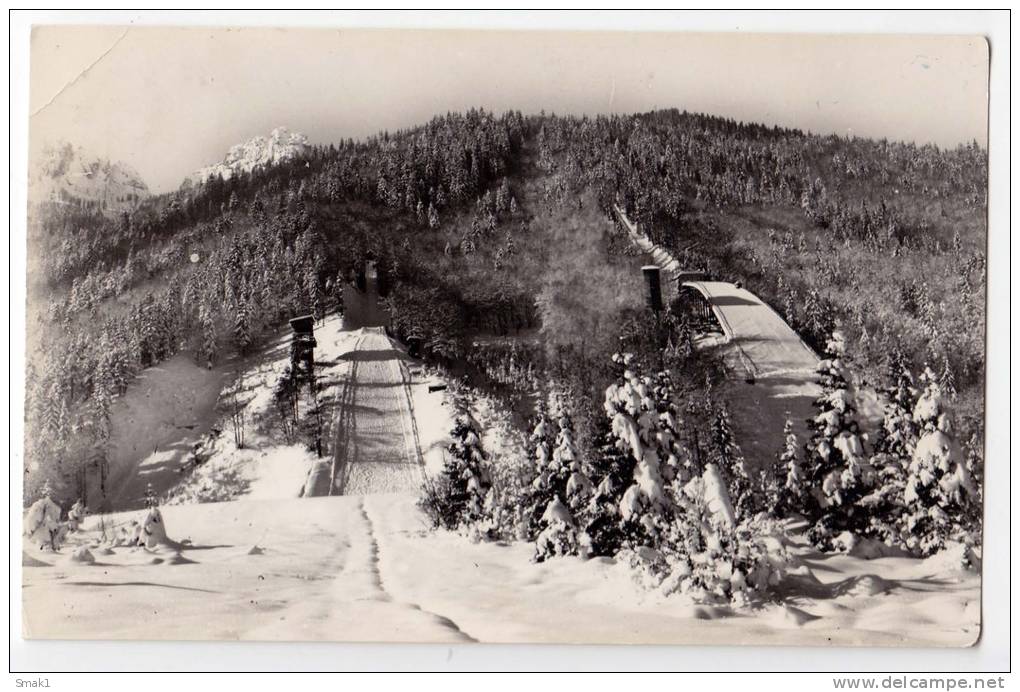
(864, 548)
(795, 616)
(863, 586)
(956, 557)
(29, 561)
(704, 612)
(82, 556)
(177, 559)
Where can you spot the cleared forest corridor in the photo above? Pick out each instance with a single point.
(375, 449)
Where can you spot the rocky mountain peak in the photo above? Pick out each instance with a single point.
(65, 173)
(280, 145)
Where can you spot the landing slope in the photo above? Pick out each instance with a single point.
(767, 343)
(367, 569)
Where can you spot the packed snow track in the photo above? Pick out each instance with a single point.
(374, 446)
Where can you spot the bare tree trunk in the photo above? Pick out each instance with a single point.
(237, 414)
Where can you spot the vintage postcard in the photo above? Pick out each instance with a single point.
(505, 336)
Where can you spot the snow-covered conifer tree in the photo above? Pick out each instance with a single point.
(644, 420)
(733, 466)
(42, 520)
(209, 346)
(542, 488)
(947, 381)
(894, 445)
(579, 489)
(242, 328)
(838, 473)
(457, 497)
(433, 217)
(938, 485)
(612, 469)
(76, 515)
(792, 493)
(569, 490)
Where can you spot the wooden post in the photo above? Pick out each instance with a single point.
(653, 295)
(303, 351)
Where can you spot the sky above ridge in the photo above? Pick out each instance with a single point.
(171, 100)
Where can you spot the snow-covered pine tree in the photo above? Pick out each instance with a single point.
(770, 486)
(42, 520)
(837, 471)
(570, 490)
(947, 380)
(685, 339)
(894, 445)
(209, 345)
(433, 217)
(457, 497)
(733, 466)
(313, 292)
(503, 197)
(543, 483)
(613, 468)
(76, 515)
(938, 485)
(792, 488)
(645, 421)
(151, 498)
(579, 489)
(242, 328)
(338, 291)
(898, 433)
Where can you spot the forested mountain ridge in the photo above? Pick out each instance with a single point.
(461, 212)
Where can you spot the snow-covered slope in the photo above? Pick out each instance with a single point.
(280, 145)
(366, 568)
(68, 174)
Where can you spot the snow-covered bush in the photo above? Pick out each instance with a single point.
(76, 515)
(559, 535)
(153, 529)
(675, 522)
(458, 496)
(504, 508)
(938, 486)
(715, 559)
(42, 525)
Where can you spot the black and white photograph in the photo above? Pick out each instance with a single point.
(453, 336)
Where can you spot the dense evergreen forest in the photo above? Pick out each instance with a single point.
(496, 225)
